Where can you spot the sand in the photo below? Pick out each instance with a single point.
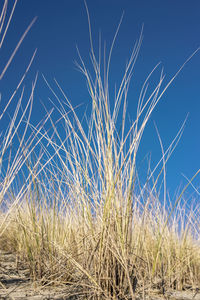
(15, 284)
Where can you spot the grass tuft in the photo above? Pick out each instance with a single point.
(81, 219)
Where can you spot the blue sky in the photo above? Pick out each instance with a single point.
(171, 35)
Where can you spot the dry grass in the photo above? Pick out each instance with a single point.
(81, 218)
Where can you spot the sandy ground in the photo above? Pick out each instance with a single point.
(15, 284)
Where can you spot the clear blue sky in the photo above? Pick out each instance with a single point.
(171, 34)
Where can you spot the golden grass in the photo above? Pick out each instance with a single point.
(81, 219)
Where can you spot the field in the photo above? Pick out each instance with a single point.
(75, 217)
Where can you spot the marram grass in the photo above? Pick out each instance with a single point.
(81, 218)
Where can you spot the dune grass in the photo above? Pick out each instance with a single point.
(80, 217)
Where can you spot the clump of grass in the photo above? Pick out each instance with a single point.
(85, 221)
